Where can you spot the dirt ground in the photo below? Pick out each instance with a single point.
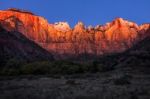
(108, 85)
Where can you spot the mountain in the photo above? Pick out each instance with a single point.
(135, 59)
(138, 56)
(66, 42)
(14, 45)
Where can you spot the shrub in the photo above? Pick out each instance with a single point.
(99, 67)
(65, 67)
(12, 67)
(36, 68)
(15, 67)
(56, 67)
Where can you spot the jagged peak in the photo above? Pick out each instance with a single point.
(62, 26)
(80, 25)
(144, 26)
(120, 22)
(119, 19)
(90, 27)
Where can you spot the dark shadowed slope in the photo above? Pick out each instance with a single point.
(136, 58)
(15, 45)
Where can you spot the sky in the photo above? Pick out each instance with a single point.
(90, 12)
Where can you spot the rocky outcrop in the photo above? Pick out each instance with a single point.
(144, 30)
(64, 41)
(62, 26)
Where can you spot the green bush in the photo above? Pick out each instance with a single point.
(65, 67)
(36, 68)
(99, 67)
(56, 67)
(12, 67)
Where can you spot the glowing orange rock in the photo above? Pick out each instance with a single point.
(59, 38)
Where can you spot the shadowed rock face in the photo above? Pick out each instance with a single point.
(14, 45)
(64, 41)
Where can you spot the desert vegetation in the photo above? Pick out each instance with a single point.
(18, 67)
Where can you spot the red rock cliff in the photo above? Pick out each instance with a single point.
(62, 40)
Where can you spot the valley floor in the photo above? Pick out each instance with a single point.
(109, 85)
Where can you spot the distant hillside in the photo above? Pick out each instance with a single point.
(15, 45)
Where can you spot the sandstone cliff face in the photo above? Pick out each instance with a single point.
(64, 41)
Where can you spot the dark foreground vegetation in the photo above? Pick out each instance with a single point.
(16, 67)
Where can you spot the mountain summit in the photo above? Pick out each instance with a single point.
(65, 42)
